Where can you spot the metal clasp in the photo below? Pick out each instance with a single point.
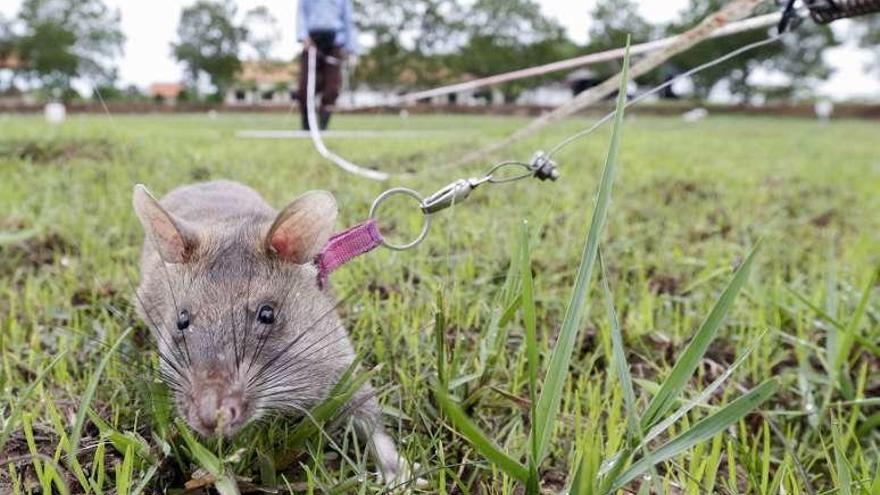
(454, 193)
(543, 167)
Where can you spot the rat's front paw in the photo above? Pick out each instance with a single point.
(394, 470)
(402, 477)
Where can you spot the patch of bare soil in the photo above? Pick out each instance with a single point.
(676, 190)
(57, 150)
(33, 251)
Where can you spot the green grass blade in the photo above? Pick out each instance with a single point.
(529, 319)
(875, 485)
(816, 309)
(200, 454)
(702, 431)
(7, 238)
(76, 431)
(844, 476)
(478, 439)
(684, 368)
(123, 441)
(146, 479)
(621, 365)
(9, 423)
(703, 397)
(440, 341)
(560, 359)
(124, 472)
(848, 337)
(531, 341)
(831, 297)
(223, 481)
(329, 409)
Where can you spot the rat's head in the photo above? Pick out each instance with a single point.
(229, 304)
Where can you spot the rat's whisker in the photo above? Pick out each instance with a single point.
(247, 298)
(262, 338)
(296, 339)
(289, 371)
(292, 358)
(291, 344)
(234, 333)
(155, 329)
(174, 300)
(279, 390)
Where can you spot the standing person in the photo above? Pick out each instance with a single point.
(327, 25)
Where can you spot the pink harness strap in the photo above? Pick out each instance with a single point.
(348, 244)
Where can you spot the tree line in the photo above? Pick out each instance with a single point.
(410, 43)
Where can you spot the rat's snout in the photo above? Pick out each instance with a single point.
(215, 410)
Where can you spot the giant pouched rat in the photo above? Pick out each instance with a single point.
(229, 287)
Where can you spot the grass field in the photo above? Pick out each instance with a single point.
(689, 203)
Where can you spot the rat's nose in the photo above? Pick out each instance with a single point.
(215, 409)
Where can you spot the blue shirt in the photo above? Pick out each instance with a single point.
(330, 15)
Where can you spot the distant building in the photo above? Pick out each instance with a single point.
(167, 93)
(10, 94)
(10, 60)
(266, 82)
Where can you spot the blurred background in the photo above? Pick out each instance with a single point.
(166, 93)
(242, 54)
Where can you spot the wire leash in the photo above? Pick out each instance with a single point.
(379, 175)
(542, 166)
(656, 89)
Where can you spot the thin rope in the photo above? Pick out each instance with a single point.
(315, 132)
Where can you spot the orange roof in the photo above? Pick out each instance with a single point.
(166, 90)
(267, 72)
(10, 61)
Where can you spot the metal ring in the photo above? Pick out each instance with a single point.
(426, 222)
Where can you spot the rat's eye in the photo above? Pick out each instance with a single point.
(266, 315)
(183, 320)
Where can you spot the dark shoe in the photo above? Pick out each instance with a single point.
(324, 120)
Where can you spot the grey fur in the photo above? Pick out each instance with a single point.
(227, 358)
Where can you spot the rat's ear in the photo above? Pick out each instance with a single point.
(302, 228)
(173, 238)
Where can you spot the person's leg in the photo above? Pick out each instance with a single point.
(332, 75)
(303, 91)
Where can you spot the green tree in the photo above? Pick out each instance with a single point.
(428, 42)
(410, 40)
(611, 21)
(60, 40)
(262, 31)
(209, 42)
(505, 35)
(421, 26)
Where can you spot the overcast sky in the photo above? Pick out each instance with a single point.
(150, 26)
